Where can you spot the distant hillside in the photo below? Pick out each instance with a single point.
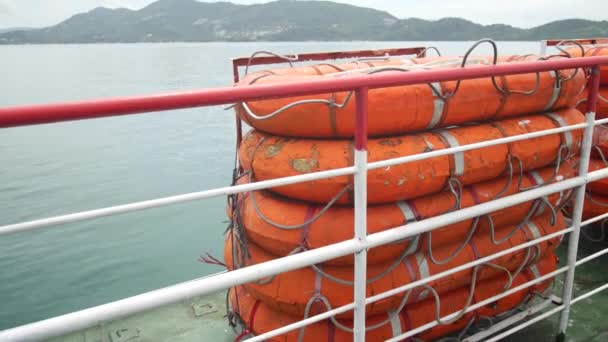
(283, 20)
(3, 30)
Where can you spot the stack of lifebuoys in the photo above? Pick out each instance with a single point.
(299, 135)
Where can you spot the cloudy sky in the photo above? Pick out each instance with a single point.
(521, 13)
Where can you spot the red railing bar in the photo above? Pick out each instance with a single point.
(48, 113)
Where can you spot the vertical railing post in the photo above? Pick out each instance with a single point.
(543, 48)
(239, 123)
(579, 201)
(239, 130)
(360, 198)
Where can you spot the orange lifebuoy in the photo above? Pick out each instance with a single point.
(602, 104)
(277, 224)
(402, 109)
(596, 198)
(271, 157)
(290, 292)
(595, 205)
(332, 68)
(592, 52)
(259, 318)
(599, 187)
(326, 68)
(600, 142)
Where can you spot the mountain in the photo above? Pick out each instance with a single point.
(283, 20)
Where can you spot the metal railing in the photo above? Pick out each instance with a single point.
(29, 115)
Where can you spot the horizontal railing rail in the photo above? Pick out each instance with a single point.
(38, 114)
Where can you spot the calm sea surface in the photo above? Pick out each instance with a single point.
(58, 169)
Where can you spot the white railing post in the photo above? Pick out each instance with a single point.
(360, 197)
(579, 202)
(543, 48)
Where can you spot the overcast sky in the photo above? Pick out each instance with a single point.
(521, 13)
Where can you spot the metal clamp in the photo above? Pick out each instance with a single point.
(124, 335)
